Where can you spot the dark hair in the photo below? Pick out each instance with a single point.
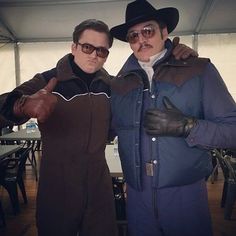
(95, 25)
(161, 24)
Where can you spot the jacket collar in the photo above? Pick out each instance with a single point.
(65, 72)
(132, 63)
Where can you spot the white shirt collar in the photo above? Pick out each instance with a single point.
(148, 66)
(153, 59)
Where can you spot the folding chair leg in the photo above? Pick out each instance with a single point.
(13, 193)
(224, 194)
(33, 162)
(22, 188)
(2, 217)
(230, 200)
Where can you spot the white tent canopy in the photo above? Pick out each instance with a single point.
(53, 20)
(34, 34)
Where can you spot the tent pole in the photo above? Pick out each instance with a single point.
(195, 42)
(17, 63)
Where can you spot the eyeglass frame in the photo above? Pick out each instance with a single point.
(93, 48)
(138, 32)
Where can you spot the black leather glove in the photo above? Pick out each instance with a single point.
(170, 122)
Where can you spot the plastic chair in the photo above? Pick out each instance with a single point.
(120, 204)
(3, 166)
(229, 188)
(221, 162)
(7, 130)
(32, 144)
(14, 177)
(2, 216)
(214, 174)
(31, 156)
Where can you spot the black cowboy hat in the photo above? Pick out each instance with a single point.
(141, 11)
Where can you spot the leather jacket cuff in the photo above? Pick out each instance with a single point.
(189, 125)
(19, 105)
(7, 109)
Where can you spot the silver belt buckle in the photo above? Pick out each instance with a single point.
(149, 169)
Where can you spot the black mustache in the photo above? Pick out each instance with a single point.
(144, 45)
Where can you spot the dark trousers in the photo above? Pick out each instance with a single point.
(176, 211)
(72, 200)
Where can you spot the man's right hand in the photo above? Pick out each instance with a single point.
(38, 105)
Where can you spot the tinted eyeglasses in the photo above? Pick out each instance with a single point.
(88, 49)
(147, 32)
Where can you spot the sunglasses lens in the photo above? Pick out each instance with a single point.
(132, 37)
(87, 48)
(148, 32)
(102, 52)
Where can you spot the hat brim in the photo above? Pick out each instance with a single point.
(169, 15)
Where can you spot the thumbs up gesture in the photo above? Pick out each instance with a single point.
(38, 105)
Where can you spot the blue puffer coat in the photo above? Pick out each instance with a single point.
(196, 88)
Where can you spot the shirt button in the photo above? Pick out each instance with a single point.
(153, 96)
(154, 139)
(155, 162)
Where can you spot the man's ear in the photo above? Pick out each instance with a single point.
(164, 33)
(73, 48)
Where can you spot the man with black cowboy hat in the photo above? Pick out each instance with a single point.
(167, 114)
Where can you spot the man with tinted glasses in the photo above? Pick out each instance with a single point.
(72, 105)
(167, 115)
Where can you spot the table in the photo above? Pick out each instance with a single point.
(113, 161)
(22, 135)
(29, 139)
(7, 150)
